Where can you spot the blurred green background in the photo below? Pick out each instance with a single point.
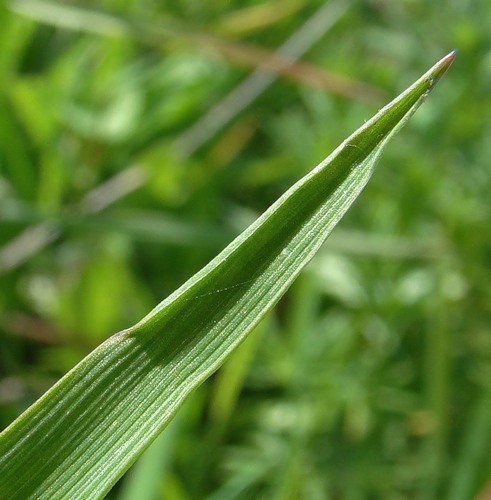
(137, 138)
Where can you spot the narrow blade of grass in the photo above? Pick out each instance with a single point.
(82, 435)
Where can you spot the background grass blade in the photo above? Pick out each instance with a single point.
(80, 437)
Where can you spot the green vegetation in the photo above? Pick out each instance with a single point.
(84, 433)
(124, 169)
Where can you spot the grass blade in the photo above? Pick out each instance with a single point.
(82, 435)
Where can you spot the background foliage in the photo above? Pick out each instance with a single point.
(121, 174)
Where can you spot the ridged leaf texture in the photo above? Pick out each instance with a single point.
(80, 437)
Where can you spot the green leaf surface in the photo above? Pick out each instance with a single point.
(84, 433)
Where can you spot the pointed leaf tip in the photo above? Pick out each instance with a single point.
(440, 68)
(448, 59)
